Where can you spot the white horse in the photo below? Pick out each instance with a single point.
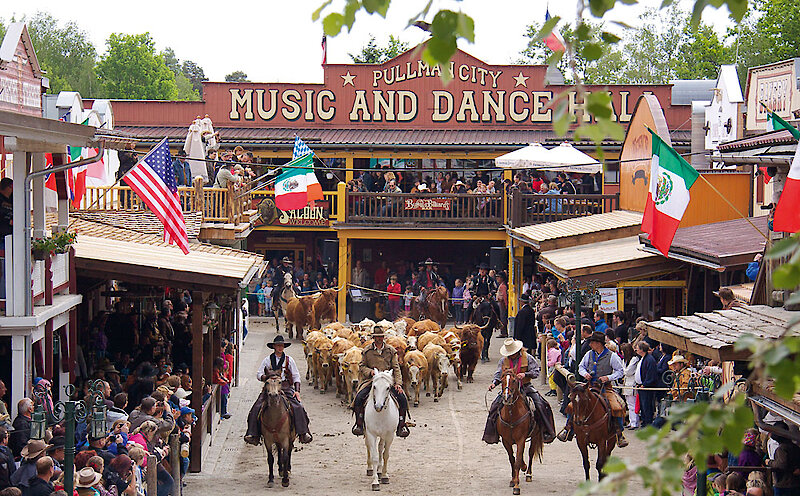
(286, 293)
(380, 424)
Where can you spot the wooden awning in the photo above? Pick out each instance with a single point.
(713, 334)
(606, 261)
(579, 230)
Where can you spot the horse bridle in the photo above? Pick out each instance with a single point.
(513, 400)
(582, 423)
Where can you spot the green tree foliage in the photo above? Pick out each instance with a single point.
(131, 69)
(66, 53)
(664, 46)
(769, 33)
(237, 77)
(194, 73)
(186, 90)
(371, 53)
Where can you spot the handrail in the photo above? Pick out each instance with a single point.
(535, 208)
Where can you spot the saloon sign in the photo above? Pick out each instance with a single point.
(427, 204)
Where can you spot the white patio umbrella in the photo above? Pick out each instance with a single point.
(533, 156)
(567, 158)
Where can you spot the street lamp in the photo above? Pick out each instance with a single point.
(572, 294)
(71, 412)
(212, 308)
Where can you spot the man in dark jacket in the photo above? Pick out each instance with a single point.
(524, 324)
(40, 484)
(7, 466)
(649, 379)
(6, 206)
(22, 426)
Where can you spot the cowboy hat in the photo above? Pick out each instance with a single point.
(483, 265)
(87, 477)
(181, 393)
(422, 187)
(110, 369)
(598, 337)
(510, 346)
(677, 359)
(286, 260)
(278, 340)
(378, 332)
(429, 261)
(165, 389)
(34, 448)
(56, 443)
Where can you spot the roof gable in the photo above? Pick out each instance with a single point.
(16, 33)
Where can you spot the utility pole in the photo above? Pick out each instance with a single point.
(571, 294)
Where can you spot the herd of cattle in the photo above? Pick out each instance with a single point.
(425, 352)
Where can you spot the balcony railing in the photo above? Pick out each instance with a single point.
(425, 210)
(226, 205)
(528, 208)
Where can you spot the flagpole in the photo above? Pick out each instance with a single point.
(714, 188)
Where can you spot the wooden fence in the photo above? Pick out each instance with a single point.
(440, 209)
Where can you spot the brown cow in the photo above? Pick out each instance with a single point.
(324, 307)
(349, 364)
(298, 315)
(437, 370)
(403, 325)
(428, 337)
(340, 346)
(321, 357)
(399, 344)
(453, 349)
(471, 346)
(415, 366)
(308, 348)
(422, 326)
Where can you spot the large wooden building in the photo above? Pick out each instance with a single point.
(402, 115)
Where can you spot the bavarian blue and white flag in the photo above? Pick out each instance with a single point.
(300, 148)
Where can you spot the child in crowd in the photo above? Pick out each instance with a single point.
(262, 298)
(268, 295)
(408, 298)
(458, 301)
(220, 378)
(553, 357)
(394, 298)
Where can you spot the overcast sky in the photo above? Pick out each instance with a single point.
(276, 41)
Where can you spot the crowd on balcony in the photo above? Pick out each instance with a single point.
(140, 360)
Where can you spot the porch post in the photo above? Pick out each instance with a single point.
(19, 363)
(21, 274)
(198, 430)
(38, 197)
(344, 275)
(348, 165)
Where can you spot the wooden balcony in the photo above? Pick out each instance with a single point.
(434, 210)
(225, 212)
(525, 209)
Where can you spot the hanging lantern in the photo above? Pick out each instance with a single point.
(212, 309)
(38, 423)
(98, 423)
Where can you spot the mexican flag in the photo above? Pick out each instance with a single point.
(775, 123)
(671, 178)
(787, 214)
(297, 185)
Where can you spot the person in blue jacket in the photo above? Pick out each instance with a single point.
(648, 378)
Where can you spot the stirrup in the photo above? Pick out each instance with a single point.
(402, 430)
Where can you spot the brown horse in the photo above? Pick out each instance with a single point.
(435, 307)
(516, 425)
(277, 429)
(592, 424)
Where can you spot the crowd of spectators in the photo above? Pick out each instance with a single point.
(147, 398)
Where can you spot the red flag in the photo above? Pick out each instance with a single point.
(553, 40)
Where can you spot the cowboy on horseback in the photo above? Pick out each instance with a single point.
(525, 367)
(482, 285)
(281, 364)
(485, 309)
(280, 273)
(381, 356)
(600, 366)
(427, 280)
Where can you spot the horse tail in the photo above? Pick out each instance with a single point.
(537, 441)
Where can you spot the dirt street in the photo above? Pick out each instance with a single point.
(443, 455)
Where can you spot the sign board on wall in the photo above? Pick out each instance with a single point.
(636, 154)
(316, 215)
(608, 300)
(776, 85)
(427, 204)
(20, 74)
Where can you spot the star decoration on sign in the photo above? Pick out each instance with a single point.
(521, 80)
(348, 79)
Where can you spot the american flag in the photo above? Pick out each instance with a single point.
(154, 181)
(300, 148)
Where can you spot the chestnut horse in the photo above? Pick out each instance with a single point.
(592, 424)
(515, 425)
(435, 306)
(277, 429)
